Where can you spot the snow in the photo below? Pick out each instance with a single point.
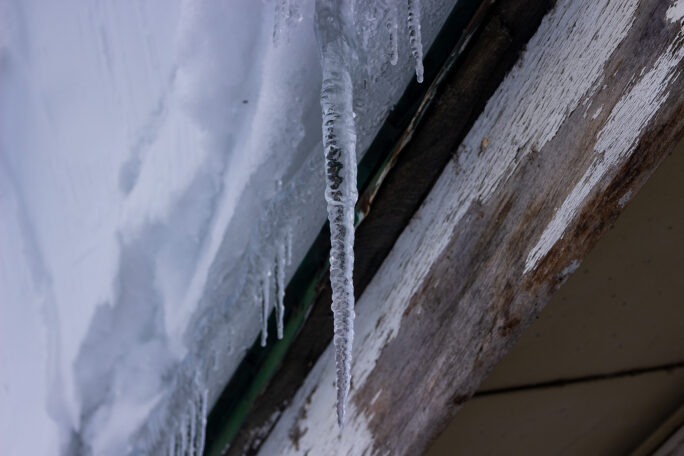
(286, 16)
(141, 149)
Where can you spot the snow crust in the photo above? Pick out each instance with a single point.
(158, 159)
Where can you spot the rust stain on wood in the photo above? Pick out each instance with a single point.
(297, 431)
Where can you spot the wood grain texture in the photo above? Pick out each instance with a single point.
(591, 108)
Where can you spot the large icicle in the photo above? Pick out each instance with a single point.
(333, 18)
(415, 39)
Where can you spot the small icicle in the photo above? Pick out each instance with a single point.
(193, 427)
(265, 289)
(280, 287)
(184, 437)
(415, 39)
(172, 445)
(392, 25)
(288, 245)
(203, 422)
(333, 18)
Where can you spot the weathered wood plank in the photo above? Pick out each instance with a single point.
(673, 446)
(594, 104)
(667, 439)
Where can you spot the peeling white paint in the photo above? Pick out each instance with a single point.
(675, 13)
(616, 142)
(554, 77)
(569, 269)
(315, 425)
(624, 199)
(377, 395)
(564, 60)
(597, 112)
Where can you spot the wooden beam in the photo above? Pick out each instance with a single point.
(673, 446)
(594, 104)
(667, 439)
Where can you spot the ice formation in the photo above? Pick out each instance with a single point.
(265, 305)
(333, 21)
(415, 38)
(288, 246)
(281, 260)
(392, 25)
(188, 437)
(273, 279)
(336, 31)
